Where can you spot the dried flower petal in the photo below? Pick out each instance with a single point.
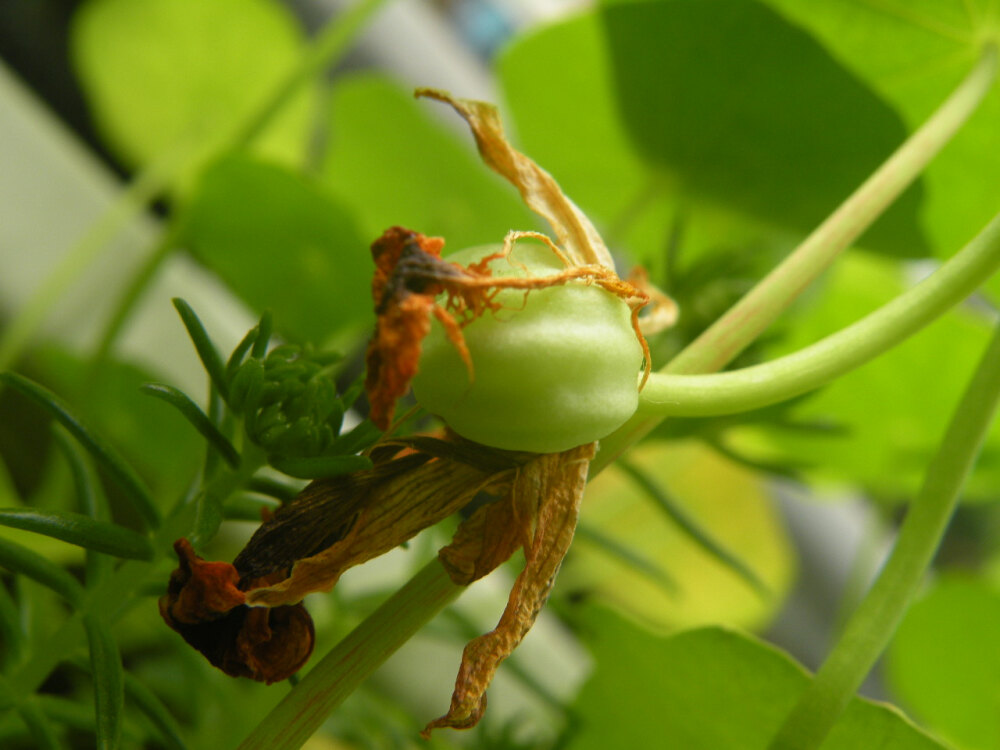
(554, 485)
(205, 604)
(539, 190)
(369, 513)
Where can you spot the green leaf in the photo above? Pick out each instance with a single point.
(207, 352)
(645, 105)
(149, 704)
(39, 725)
(106, 457)
(91, 498)
(198, 419)
(166, 73)
(282, 243)
(679, 517)
(392, 161)
(150, 438)
(80, 530)
(943, 662)
(779, 129)
(724, 500)
(109, 691)
(708, 689)
(19, 559)
(912, 54)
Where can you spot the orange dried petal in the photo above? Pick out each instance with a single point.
(554, 484)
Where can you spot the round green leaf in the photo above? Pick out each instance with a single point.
(281, 243)
(395, 164)
(718, 103)
(728, 502)
(163, 74)
(944, 663)
(708, 689)
(913, 54)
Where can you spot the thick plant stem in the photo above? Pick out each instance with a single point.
(328, 47)
(824, 361)
(871, 626)
(744, 322)
(348, 664)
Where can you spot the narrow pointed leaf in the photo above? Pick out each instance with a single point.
(19, 559)
(106, 457)
(80, 530)
(207, 352)
(39, 725)
(149, 704)
(198, 419)
(92, 500)
(109, 691)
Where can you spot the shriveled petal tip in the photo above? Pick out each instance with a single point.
(205, 606)
(549, 490)
(539, 190)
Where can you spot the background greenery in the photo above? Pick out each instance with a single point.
(704, 137)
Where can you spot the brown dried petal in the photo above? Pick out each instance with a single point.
(205, 606)
(539, 190)
(391, 512)
(555, 484)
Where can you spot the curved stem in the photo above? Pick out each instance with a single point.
(348, 664)
(870, 628)
(731, 333)
(816, 365)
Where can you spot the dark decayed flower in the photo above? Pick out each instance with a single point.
(243, 614)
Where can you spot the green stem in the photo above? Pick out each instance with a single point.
(348, 664)
(731, 333)
(816, 365)
(305, 708)
(870, 628)
(154, 179)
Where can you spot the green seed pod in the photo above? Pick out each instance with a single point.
(556, 368)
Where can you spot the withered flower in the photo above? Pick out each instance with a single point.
(415, 482)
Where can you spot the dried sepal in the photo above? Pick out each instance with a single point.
(552, 486)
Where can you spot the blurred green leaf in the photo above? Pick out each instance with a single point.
(282, 243)
(166, 73)
(198, 419)
(392, 160)
(892, 412)
(19, 559)
(109, 691)
(153, 440)
(708, 689)
(944, 663)
(724, 500)
(103, 453)
(913, 54)
(680, 106)
(81, 530)
(735, 104)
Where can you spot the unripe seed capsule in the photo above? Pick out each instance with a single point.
(556, 368)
